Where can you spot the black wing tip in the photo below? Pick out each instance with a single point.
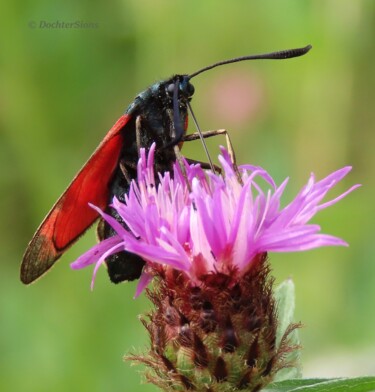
(41, 254)
(29, 276)
(26, 280)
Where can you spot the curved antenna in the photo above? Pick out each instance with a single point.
(280, 55)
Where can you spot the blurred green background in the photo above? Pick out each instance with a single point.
(62, 89)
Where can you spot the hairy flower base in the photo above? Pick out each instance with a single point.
(219, 336)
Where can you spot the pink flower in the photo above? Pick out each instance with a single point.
(217, 224)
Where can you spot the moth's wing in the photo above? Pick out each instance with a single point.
(71, 216)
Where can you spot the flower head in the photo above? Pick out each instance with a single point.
(219, 224)
(205, 237)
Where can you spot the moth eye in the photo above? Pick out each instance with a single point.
(170, 88)
(190, 90)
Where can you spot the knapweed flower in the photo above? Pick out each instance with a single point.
(205, 238)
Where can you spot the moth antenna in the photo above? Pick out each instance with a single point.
(279, 55)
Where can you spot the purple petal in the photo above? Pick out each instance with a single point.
(117, 248)
(221, 221)
(110, 220)
(143, 282)
(338, 198)
(96, 252)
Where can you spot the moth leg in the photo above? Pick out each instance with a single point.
(203, 165)
(125, 171)
(127, 166)
(207, 134)
(138, 130)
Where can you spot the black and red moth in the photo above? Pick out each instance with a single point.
(158, 114)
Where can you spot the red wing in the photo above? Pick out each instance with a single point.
(71, 215)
